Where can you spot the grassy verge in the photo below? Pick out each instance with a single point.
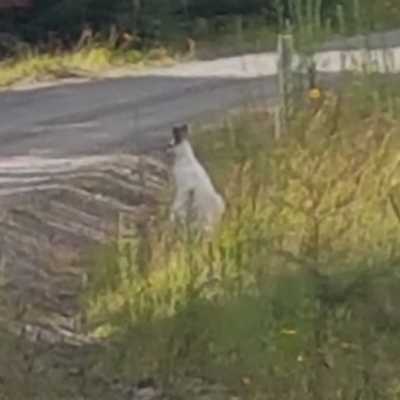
(85, 63)
(296, 294)
(214, 37)
(220, 37)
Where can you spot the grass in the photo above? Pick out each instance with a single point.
(295, 296)
(84, 63)
(220, 37)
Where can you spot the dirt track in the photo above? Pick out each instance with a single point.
(52, 212)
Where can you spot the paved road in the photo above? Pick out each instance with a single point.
(100, 117)
(136, 114)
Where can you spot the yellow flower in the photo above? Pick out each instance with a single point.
(300, 358)
(314, 94)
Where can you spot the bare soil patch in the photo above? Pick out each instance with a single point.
(52, 212)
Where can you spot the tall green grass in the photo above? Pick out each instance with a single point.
(85, 63)
(295, 295)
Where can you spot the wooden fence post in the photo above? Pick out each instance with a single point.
(285, 50)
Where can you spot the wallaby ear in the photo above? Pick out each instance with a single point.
(180, 133)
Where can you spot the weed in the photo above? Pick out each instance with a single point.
(295, 294)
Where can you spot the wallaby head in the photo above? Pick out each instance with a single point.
(179, 134)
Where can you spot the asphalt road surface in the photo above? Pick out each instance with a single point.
(136, 114)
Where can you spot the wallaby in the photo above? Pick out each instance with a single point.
(196, 199)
